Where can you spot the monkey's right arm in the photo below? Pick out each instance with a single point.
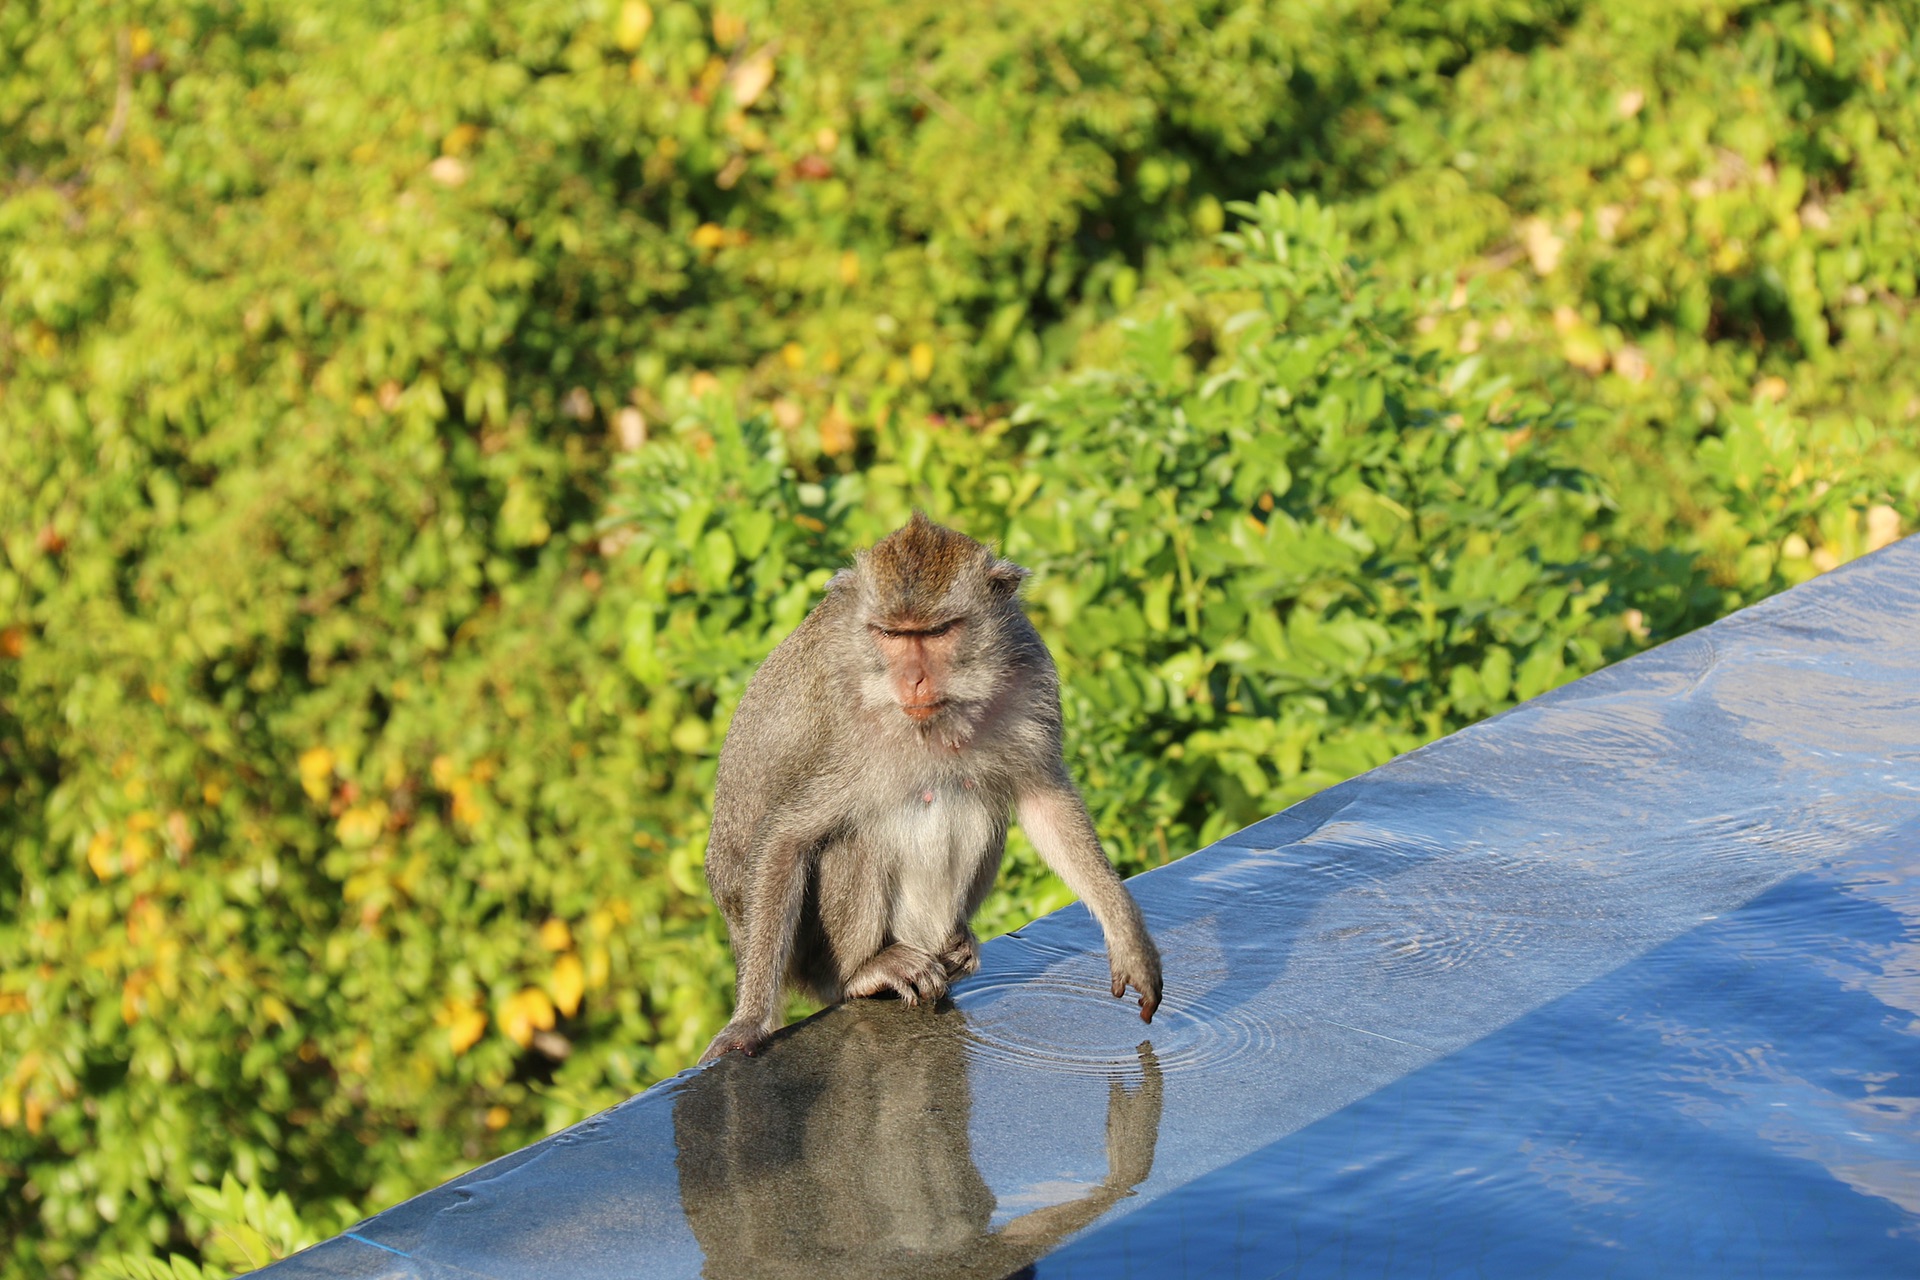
(773, 891)
(770, 816)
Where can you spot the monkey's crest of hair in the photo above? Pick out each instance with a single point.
(914, 574)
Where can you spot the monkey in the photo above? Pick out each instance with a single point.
(866, 783)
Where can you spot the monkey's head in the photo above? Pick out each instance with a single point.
(935, 607)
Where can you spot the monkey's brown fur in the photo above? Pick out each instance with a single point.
(865, 787)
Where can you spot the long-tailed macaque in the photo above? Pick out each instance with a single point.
(864, 789)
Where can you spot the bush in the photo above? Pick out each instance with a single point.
(415, 419)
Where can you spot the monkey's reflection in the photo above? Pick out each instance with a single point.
(845, 1153)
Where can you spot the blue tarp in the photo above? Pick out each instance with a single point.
(1623, 981)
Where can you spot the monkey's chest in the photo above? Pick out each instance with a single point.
(934, 842)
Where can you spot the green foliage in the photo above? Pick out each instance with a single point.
(415, 420)
(246, 1229)
(1699, 220)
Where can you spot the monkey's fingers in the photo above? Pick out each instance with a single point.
(1149, 993)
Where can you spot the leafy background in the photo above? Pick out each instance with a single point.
(416, 421)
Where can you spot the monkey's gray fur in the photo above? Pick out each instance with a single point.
(855, 833)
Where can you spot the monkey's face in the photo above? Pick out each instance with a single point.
(922, 664)
(932, 607)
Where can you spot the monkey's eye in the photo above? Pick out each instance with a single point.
(940, 630)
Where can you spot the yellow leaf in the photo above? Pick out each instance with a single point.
(793, 355)
(569, 983)
(555, 935)
(836, 433)
(466, 810)
(498, 1117)
(100, 855)
(316, 772)
(460, 139)
(1820, 44)
(524, 1012)
(849, 269)
(464, 1023)
(635, 20)
(921, 359)
(136, 851)
(362, 824)
(750, 79)
(709, 235)
(132, 1003)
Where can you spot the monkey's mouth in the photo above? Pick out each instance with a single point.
(921, 712)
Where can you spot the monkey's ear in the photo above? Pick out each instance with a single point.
(844, 578)
(1005, 577)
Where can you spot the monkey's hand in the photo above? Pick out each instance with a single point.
(907, 972)
(1136, 964)
(743, 1034)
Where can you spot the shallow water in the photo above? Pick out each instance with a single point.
(1623, 982)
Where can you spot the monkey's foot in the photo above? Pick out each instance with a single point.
(747, 1037)
(906, 971)
(962, 956)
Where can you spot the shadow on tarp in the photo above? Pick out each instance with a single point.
(1321, 965)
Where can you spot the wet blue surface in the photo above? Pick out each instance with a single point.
(1623, 982)
(1739, 1102)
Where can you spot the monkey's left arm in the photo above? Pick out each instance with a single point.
(1055, 819)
